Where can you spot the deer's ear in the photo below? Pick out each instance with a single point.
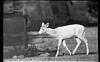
(47, 24)
(42, 23)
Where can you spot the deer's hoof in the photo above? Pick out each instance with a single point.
(87, 53)
(70, 54)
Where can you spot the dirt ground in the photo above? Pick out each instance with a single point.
(92, 37)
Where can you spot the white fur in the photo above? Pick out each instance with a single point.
(63, 32)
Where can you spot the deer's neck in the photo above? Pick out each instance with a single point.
(51, 32)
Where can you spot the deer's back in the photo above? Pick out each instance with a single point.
(69, 30)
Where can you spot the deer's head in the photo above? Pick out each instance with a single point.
(43, 28)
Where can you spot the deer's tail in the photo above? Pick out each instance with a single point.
(84, 33)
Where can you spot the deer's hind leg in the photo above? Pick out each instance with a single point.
(83, 38)
(78, 44)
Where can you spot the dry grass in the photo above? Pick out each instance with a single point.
(91, 35)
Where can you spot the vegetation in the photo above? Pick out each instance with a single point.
(59, 12)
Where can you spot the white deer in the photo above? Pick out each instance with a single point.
(63, 32)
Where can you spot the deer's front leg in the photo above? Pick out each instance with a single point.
(59, 43)
(64, 44)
